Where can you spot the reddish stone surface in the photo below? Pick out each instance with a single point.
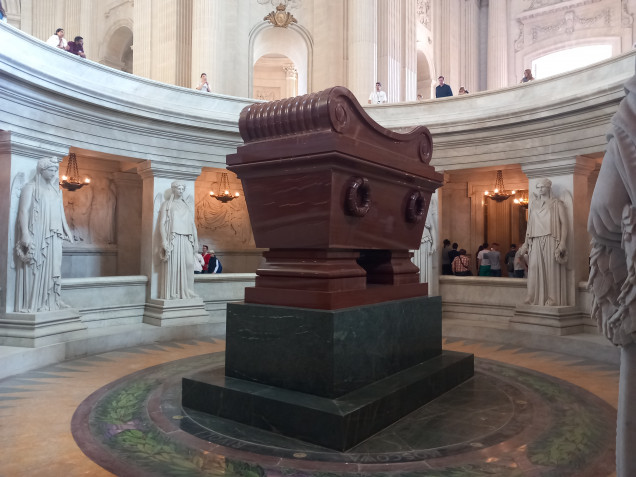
(337, 198)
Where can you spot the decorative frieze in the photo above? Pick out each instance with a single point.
(627, 18)
(566, 19)
(424, 13)
(569, 23)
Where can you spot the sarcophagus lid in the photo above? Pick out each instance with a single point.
(319, 173)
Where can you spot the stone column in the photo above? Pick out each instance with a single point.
(329, 36)
(408, 84)
(73, 14)
(389, 47)
(570, 183)
(162, 31)
(87, 29)
(291, 81)
(497, 44)
(469, 50)
(157, 178)
(45, 19)
(171, 41)
(361, 48)
(142, 38)
(446, 32)
(207, 47)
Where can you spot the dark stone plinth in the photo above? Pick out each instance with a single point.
(330, 352)
(334, 423)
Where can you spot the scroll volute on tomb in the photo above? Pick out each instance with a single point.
(319, 173)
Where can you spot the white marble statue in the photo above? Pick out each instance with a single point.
(545, 245)
(41, 228)
(428, 246)
(178, 245)
(613, 266)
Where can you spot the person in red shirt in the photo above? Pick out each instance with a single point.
(206, 258)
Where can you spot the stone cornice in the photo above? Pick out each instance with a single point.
(156, 169)
(559, 167)
(551, 9)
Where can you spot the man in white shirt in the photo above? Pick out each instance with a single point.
(483, 262)
(378, 96)
(58, 40)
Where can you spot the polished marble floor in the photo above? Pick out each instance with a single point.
(539, 414)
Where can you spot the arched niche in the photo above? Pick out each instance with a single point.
(293, 42)
(424, 75)
(117, 51)
(275, 77)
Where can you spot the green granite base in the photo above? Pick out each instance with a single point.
(330, 352)
(334, 423)
(330, 377)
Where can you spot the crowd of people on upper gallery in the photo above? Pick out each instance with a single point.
(442, 90)
(76, 47)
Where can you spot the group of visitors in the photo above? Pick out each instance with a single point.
(443, 90)
(75, 47)
(489, 261)
(207, 262)
(454, 261)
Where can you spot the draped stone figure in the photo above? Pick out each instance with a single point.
(428, 246)
(179, 243)
(612, 225)
(545, 244)
(41, 228)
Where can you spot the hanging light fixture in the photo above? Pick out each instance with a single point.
(522, 199)
(224, 193)
(499, 194)
(70, 181)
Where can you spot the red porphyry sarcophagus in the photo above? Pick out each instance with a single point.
(338, 199)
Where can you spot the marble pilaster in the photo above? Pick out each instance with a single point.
(570, 184)
(469, 51)
(156, 185)
(389, 47)
(497, 44)
(206, 49)
(408, 81)
(291, 81)
(361, 48)
(142, 34)
(87, 27)
(329, 36)
(72, 18)
(446, 32)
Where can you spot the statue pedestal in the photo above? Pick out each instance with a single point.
(160, 312)
(547, 320)
(330, 377)
(43, 328)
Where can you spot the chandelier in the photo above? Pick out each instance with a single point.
(499, 194)
(224, 186)
(70, 181)
(522, 200)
